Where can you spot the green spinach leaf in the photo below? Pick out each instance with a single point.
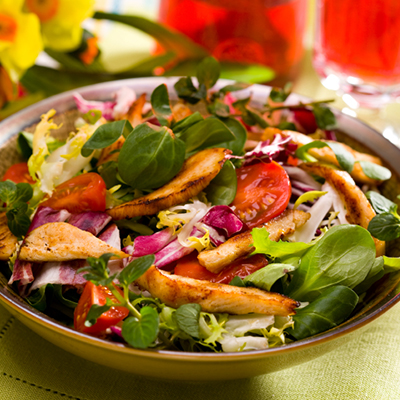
(161, 105)
(187, 317)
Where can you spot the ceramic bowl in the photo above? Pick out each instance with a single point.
(174, 365)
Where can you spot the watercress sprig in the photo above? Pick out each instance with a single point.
(141, 328)
(15, 199)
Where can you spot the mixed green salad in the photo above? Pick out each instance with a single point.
(206, 223)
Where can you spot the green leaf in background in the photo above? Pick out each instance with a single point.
(135, 269)
(234, 87)
(380, 203)
(19, 104)
(187, 317)
(168, 39)
(150, 157)
(105, 135)
(140, 334)
(222, 189)
(161, 105)
(208, 72)
(385, 226)
(324, 117)
(186, 90)
(249, 115)
(332, 307)
(375, 171)
(218, 108)
(279, 95)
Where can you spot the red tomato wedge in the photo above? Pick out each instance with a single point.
(263, 192)
(91, 295)
(86, 192)
(189, 267)
(18, 173)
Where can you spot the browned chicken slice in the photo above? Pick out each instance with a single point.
(195, 174)
(60, 241)
(180, 111)
(327, 155)
(8, 242)
(175, 290)
(359, 210)
(217, 259)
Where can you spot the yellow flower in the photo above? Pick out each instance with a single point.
(20, 40)
(61, 21)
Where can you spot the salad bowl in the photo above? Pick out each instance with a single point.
(177, 365)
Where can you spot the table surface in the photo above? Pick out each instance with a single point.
(366, 368)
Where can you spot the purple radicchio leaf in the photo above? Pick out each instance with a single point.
(224, 221)
(45, 215)
(90, 221)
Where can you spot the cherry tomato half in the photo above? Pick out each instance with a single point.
(263, 192)
(18, 173)
(91, 295)
(189, 267)
(86, 192)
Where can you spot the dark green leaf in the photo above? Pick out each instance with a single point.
(324, 117)
(24, 192)
(222, 189)
(187, 317)
(8, 192)
(279, 95)
(332, 307)
(24, 141)
(141, 334)
(250, 116)
(285, 125)
(385, 226)
(187, 122)
(96, 311)
(109, 172)
(251, 73)
(344, 256)
(265, 277)
(375, 171)
(135, 269)
(38, 298)
(150, 157)
(234, 87)
(206, 133)
(105, 135)
(208, 72)
(18, 219)
(187, 91)
(391, 264)
(218, 108)
(380, 203)
(240, 132)
(97, 269)
(161, 105)
(376, 273)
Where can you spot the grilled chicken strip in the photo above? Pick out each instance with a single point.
(195, 174)
(359, 210)
(8, 242)
(217, 259)
(60, 241)
(327, 155)
(175, 290)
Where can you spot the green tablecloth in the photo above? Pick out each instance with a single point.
(366, 368)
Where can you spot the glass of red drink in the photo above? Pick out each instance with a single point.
(357, 50)
(267, 32)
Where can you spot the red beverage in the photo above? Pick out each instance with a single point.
(358, 41)
(268, 32)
